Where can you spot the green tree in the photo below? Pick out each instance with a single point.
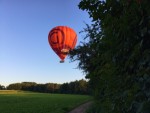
(64, 88)
(117, 57)
(14, 86)
(2, 87)
(29, 86)
(83, 86)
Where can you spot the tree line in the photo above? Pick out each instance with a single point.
(116, 55)
(74, 87)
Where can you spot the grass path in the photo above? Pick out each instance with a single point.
(82, 108)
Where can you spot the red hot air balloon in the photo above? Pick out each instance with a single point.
(62, 39)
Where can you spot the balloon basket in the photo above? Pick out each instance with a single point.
(62, 61)
(65, 51)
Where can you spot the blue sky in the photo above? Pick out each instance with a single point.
(25, 54)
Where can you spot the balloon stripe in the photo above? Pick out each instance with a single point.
(63, 36)
(52, 42)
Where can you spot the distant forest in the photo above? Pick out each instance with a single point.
(75, 87)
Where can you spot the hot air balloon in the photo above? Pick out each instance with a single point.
(62, 39)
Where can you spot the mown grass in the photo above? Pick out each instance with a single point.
(29, 102)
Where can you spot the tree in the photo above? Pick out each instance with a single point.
(14, 86)
(117, 57)
(64, 88)
(83, 86)
(2, 87)
(29, 86)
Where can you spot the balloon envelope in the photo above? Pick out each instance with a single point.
(62, 39)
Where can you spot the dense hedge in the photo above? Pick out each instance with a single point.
(117, 57)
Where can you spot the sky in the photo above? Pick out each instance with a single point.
(25, 54)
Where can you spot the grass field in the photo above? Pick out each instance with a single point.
(12, 101)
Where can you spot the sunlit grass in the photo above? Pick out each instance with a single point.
(11, 91)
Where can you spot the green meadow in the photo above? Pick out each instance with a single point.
(12, 101)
